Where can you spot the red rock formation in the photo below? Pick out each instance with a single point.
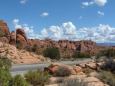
(56, 67)
(21, 39)
(4, 27)
(63, 45)
(21, 32)
(13, 38)
(4, 30)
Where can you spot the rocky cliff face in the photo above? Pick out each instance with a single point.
(67, 47)
(19, 39)
(4, 32)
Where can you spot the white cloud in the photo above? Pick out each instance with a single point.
(97, 2)
(23, 1)
(44, 32)
(16, 23)
(45, 14)
(101, 13)
(65, 31)
(87, 3)
(101, 2)
(69, 28)
(101, 33)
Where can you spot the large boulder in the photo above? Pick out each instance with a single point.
(4, 30)
(21, 39)
(91, 65)
(21, 32)
(58, 69)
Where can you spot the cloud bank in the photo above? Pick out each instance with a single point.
(100, 33)
(97, 2)
(67, 30)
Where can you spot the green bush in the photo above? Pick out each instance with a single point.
(37, 78)
(62, 72)
(5, 77)
(52, 53)
(107, 77)
(81, 55)
(109, 65)
(18, 80)
(5, 63)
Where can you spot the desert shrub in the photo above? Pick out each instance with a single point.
(5, 77)
(34, 48)
(18, 80)
(72, 82)
(37, 78)
(81, 55)
(62, 72)
(107, 77)
(5, 63)
(110, 52)
(52, 53)
(109, 65)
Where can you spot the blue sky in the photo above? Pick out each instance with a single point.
(61, 19)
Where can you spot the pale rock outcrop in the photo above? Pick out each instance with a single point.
(83, 80)
(91, 65)
(19, 56)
